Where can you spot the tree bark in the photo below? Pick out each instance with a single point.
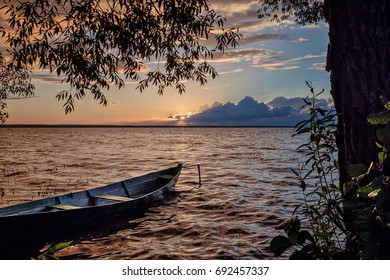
(359, 64)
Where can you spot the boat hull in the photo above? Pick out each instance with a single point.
(41, 222)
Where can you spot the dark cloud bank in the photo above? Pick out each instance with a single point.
(280, 111)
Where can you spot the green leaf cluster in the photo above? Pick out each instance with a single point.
(295, 238)
(49, 254)
(368, 215)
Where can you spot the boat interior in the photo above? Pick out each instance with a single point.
(119, 192)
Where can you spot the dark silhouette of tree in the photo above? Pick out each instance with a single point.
(13, 85)
(359, 63)
(92, 43)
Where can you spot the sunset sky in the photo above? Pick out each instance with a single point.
(273, 60)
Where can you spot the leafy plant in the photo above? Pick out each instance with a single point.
(49, 253)
(368, 216)
(353, 222)
(321, 211)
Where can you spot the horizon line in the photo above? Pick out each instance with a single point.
(130, 125)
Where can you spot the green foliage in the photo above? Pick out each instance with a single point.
(354, 223)
(49, 253)
(91, 43)
(368, 215)
(321, 212)
(379, 118)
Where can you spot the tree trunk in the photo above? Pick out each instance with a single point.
(359, 63)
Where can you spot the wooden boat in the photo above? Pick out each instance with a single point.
(73, 212)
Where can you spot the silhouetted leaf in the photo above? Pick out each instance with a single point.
(279, 245)
(88, 43)
(356, 170)
(301, 255)
(363, 224)
(345, 255)
(302, 185)
(292, 229)
(303, 236)
(383, 135)
(382, 157)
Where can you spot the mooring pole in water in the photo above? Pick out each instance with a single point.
(200, 178)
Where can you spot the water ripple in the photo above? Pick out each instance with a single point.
(247, 187)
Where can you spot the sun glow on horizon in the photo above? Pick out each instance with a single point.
(272, 60)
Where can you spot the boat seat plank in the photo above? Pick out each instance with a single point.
(64, 206)
(167, 176)
(113, 197)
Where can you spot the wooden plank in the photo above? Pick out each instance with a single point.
(113, 197)
(64, 206)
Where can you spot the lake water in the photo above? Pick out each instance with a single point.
(247, 186)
